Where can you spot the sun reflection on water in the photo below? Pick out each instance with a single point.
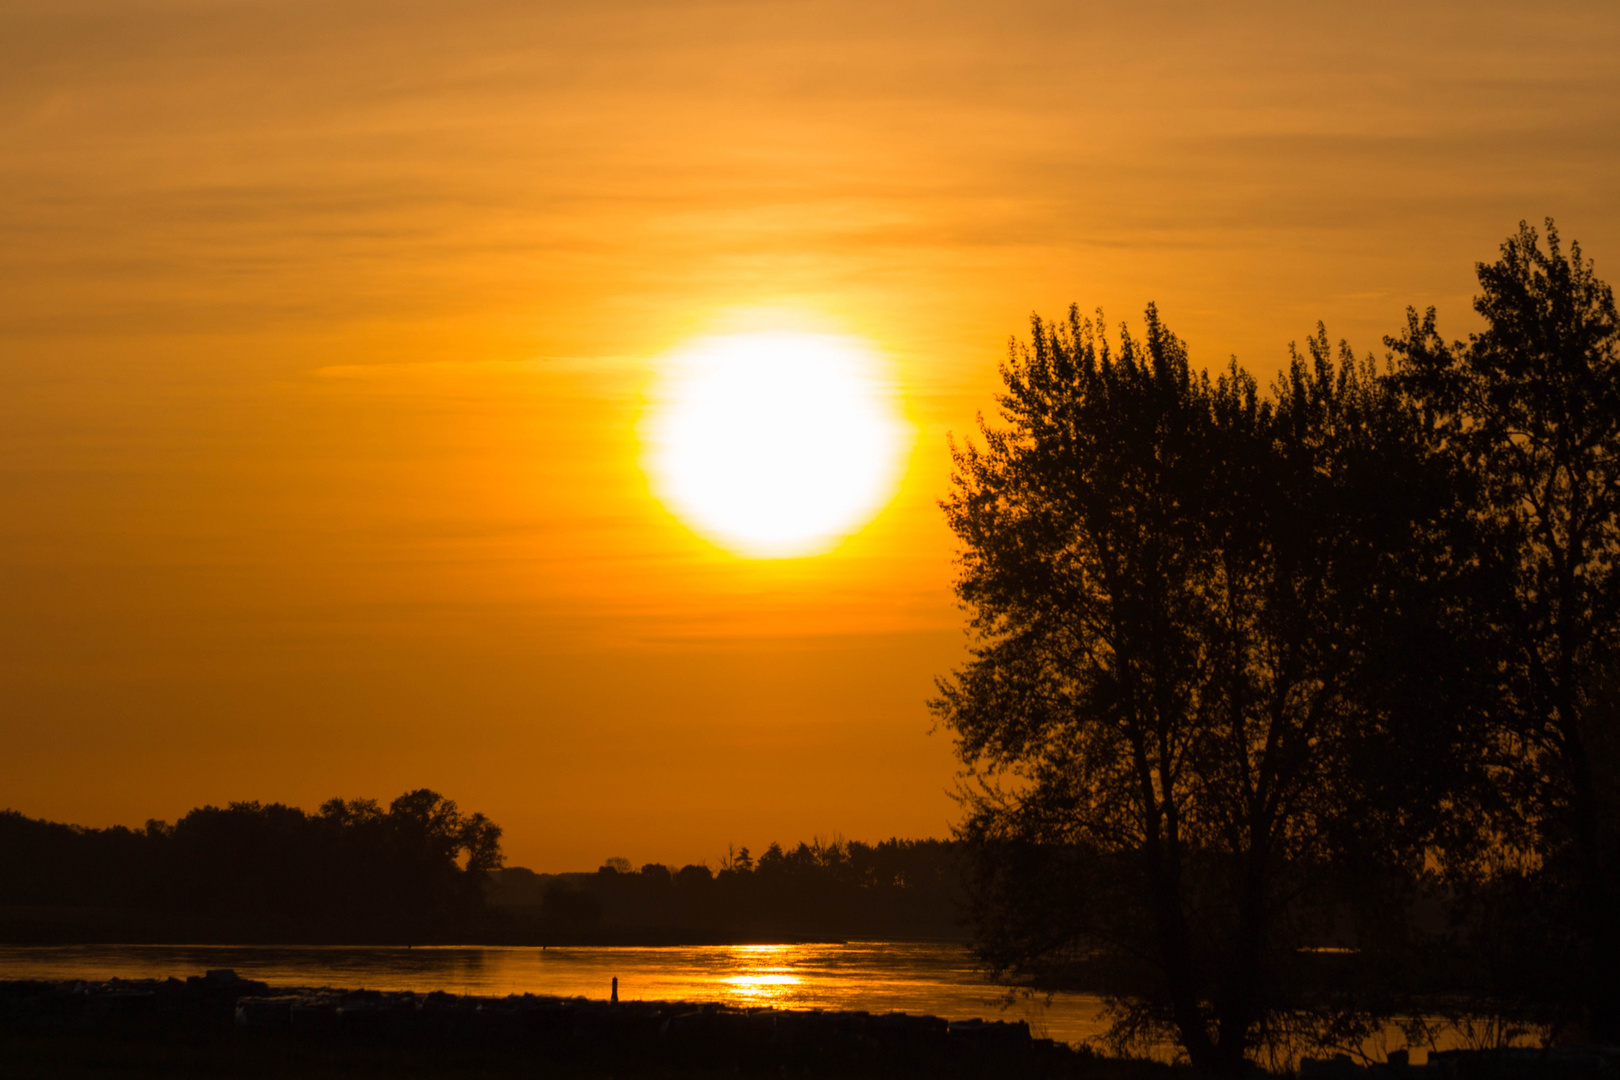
(767, 976)
(759, 988)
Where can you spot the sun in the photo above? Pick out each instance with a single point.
(774, 445)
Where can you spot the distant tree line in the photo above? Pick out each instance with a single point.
(1296, 709)
(422, 871)
(896, 889)
(250, 872)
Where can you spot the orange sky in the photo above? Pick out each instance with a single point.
(325, 329)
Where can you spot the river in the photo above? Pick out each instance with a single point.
(875, 977)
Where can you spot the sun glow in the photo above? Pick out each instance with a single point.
(774, 445)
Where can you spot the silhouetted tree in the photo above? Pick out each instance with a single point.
(1531, 408)
(694, 876)
(268, 872)
(1193, 694)
(657, 875)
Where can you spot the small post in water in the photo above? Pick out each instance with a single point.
(615, 989)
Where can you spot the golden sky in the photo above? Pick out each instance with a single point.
(327, 328)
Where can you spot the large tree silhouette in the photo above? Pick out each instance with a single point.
(1531, 408)
(1193, 693)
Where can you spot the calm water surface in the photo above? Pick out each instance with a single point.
(874, 977)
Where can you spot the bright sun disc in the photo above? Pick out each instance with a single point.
(774, 445)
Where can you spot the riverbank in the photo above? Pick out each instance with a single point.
(223, 1025)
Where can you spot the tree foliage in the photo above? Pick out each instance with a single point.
(268, 872)
(1530, 408)
(1194, 694)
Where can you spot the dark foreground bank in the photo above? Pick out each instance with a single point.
(224, 1026)
(221, 1025)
